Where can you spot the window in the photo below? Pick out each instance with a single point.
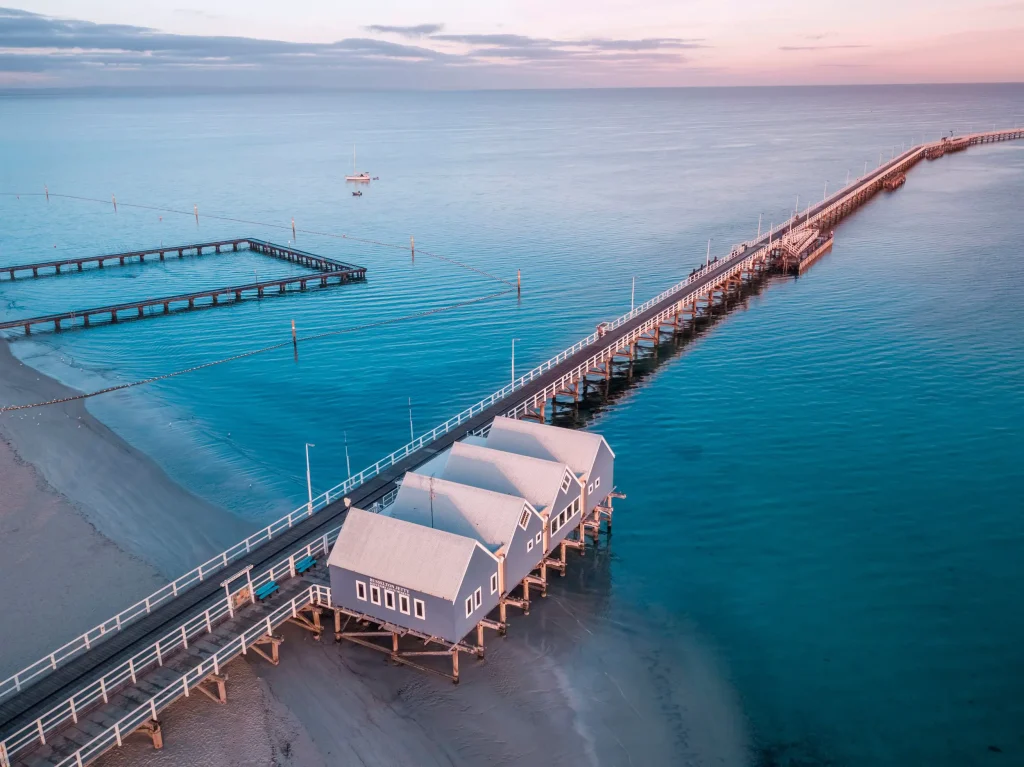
(576, 504)
(597, 483)
(554, 525)
(420, 608)
(389, 599)
(361, 591)
(537, 537)
(494, 583)
(590, 488)
(375, 594)
(566, 481)
(403, 604)
(469, 606)
(478, 598)
(525, 519)
(529, 545)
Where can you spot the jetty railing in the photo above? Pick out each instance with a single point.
(147, 711)
(36, 732)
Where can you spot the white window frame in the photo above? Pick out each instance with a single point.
(389, 596)
(361, 591)
(567, 480)
(597, 483)
(554, 525)
(494, 583)
(590, 488)
(538, 537)
(375, 594)
(529, 545)
(524, 520)
(420, 609)
(403, 603)
(478, 598)
(469, 605)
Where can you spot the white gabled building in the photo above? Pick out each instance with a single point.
(550, 486)
(420, 578)
(507, 525)
(586, 453)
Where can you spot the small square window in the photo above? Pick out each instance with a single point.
(403, 604)
(590, 488)
(529, 545)
(469, 606)
(494, 583)
(375, 594)
(420, 608)
(478, 598)
(537, 538)
(597, 483)
(360, 591)
(389, 599)
(525, 519)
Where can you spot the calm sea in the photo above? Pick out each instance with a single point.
(824, 490)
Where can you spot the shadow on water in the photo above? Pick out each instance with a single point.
(628, 376)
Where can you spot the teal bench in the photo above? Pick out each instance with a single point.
(304, 564)
(264, 591)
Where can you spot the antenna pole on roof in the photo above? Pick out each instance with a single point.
(431, 501)
(412, 435)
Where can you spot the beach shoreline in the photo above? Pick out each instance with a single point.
(93, 523)
(120, 491)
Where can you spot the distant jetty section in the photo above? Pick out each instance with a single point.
(327, 272)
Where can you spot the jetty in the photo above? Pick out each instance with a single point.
(326, 272)
(112, 682)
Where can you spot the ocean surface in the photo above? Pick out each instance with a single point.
(823, 534)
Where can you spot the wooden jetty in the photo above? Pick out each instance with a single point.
(327, 272)
(41, 709)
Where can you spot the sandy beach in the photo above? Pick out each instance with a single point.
(123, 493)
(88, 524)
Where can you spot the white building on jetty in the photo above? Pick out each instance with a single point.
(465, 531)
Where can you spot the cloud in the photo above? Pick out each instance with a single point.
(819, 47)
(73, 52)
(419, 30)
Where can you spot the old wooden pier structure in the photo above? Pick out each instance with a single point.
(326, 272)
(113, 681)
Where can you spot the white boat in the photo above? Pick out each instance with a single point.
(364, 176)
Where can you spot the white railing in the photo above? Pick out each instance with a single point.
(57, 717)
(144, 712)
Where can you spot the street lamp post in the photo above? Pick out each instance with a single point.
(309, 482)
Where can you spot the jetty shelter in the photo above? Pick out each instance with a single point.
(421, 578)
(586, 453)
(551, 487)
(508, 526)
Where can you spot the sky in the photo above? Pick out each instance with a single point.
(452, 44)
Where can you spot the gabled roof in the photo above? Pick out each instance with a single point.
(578, 449)
(483, 515)
(421, 559)
(535, 479)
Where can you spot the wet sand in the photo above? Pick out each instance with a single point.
(124, 494)
(60, 576)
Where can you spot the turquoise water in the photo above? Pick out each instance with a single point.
(823, 490)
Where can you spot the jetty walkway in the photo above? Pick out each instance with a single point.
(327, 271)
(71, 706)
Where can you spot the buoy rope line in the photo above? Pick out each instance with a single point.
(264, 350)
(286, 227)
